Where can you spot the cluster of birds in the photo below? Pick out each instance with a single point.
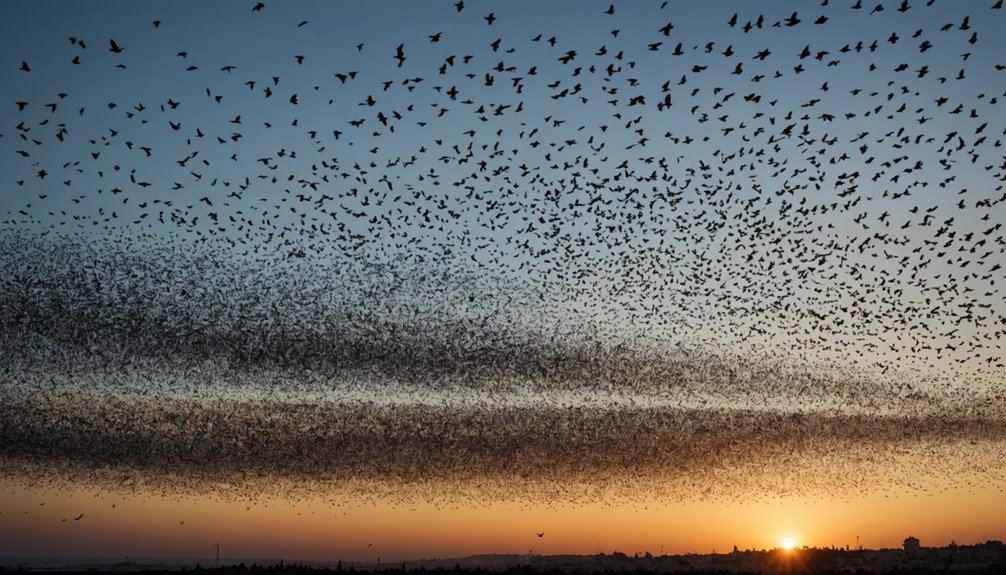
(618, 263)
(404, 453)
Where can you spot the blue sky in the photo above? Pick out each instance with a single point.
(709, 228)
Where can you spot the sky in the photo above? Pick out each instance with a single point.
(305, 278)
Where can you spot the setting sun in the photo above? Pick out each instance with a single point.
(788, 544)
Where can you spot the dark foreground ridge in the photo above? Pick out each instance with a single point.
(988, 557)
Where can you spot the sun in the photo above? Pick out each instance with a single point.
(788, 543)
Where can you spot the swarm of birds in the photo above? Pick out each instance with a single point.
(758, 254)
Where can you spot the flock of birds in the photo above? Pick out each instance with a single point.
(618, 264)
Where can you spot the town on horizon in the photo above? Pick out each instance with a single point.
(987, 555)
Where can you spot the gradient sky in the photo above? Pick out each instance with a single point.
(313, 530)
(304, 298)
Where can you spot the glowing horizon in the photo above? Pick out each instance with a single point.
(317, 530)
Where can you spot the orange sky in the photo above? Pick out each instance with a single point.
(314, 529)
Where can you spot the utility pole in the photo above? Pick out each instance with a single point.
(218, 554)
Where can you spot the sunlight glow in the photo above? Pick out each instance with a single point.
(788, 544)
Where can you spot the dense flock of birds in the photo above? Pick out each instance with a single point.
(479, 264)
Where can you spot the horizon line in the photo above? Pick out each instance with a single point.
(634, 555)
